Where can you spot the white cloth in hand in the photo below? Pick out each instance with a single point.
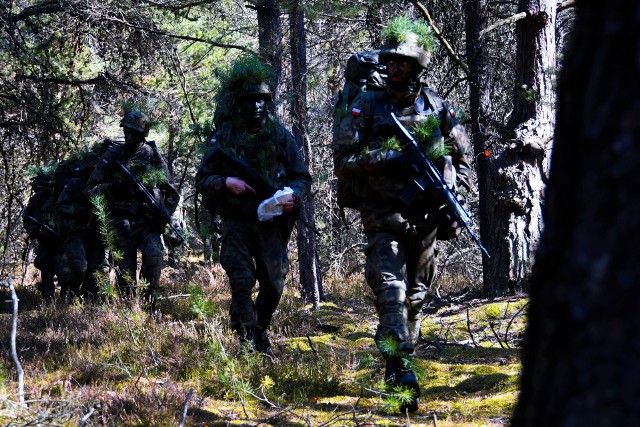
(272, 206)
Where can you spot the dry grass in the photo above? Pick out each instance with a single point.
(127, 368)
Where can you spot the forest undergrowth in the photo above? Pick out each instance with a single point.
(116, 364)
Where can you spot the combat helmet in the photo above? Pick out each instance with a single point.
(248, 75)
(255, 89)
(137, 121)
(408, 38)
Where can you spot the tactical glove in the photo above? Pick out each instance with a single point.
(448, 227)
(396, 162)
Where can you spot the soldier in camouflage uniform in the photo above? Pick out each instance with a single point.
(83, 252)
(135, 226)
(40, 207)
(400, 256)
(253, 250)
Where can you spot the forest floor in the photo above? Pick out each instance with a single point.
(114, 364)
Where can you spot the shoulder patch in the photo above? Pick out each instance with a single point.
(452, 112)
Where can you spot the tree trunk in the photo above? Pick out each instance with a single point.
(580, 364)
(270, 40)
(517, 172)
(310, 279)
(481, 78)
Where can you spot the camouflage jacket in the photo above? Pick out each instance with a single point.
(272, 154)
(361, 135)
(40, 207)
(146, 163)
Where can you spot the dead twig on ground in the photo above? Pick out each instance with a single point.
(186, 407)
(14, 332)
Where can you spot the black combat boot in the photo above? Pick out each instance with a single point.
(398, 375)
(262, 343)
(247, 341)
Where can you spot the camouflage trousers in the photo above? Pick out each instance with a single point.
(47, 260)
(82, 257)
(400, 267)
(133, 236)
(251, 251)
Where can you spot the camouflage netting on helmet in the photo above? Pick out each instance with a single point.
(404, 36)
(247, 75)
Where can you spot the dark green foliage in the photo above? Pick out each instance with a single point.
(247, 72)
(400, 27)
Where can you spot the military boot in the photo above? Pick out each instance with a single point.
(398, 375)
(247, 341)
(262, 343)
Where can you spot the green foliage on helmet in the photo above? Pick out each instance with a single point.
(45, 171)
(43, 176)
(247, 76)
(404, 36)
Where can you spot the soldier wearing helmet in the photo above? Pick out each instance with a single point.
(136, 228)
(400, 256)
(83, 253)
(252, 250)
(39, 222)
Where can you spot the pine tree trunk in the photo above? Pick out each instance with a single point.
(580, 364)
(517, 172)
(310, 279)
(270, 40)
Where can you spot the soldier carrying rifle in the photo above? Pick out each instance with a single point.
(136, 221)
(374, 173)
(38, 220)
(250, 154)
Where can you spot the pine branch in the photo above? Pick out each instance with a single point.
(440, 37)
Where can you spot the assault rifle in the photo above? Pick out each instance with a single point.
(43, 227)
(157, 210)
(263, 189)
(430, 178)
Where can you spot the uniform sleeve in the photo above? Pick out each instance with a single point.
(168, 188)
(99, 179)
(298, 176)
(31, 210)
(347, 154)
(209, 179)
(461, 147)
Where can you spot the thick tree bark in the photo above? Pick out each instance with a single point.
(310, 279)
(516, 177)
(580, 364)
(270, 40)
(481, 78)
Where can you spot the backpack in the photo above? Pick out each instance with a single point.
(363, 73)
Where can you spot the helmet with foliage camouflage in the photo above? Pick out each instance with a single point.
(43, 177)
(247, 76)
(137, 121)
(408, 38)
(258, 89)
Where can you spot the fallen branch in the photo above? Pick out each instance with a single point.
(440, 37)
(14, 332)
(85, 418)
(186, 407)
(473, 340)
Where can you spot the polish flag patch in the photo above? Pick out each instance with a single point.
(356, 111)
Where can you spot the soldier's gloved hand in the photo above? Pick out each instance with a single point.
(156, 223)
(396, 163)
(448, 227)
(116, 188)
